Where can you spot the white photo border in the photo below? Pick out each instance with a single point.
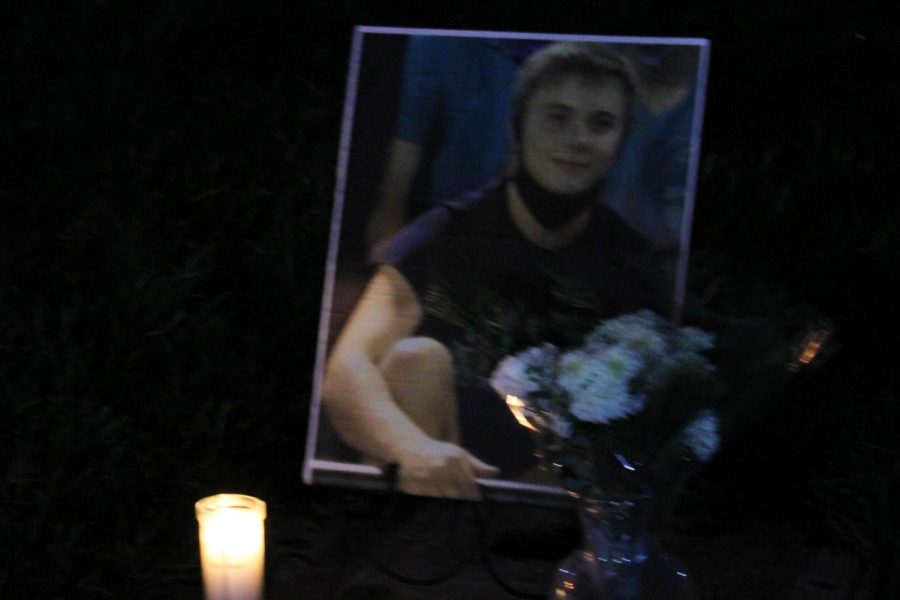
(330, 472)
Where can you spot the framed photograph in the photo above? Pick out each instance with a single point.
(495, 191)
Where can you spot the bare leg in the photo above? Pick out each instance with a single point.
(420, 376)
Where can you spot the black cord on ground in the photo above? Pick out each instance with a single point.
(390, 515)
(386, 518)
(489, 564)
(498, 579)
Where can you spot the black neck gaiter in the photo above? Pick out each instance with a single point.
(553, 210)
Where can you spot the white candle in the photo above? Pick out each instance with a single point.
(232, 546)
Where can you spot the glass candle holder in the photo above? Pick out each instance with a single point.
(232, 546)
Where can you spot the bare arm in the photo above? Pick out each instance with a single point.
(364, 413)
(392, 209)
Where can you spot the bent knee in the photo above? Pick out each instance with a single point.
(418, 353)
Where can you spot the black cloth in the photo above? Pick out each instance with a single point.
(487, 292)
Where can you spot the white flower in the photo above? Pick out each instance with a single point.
(640, 331)
(691, 339)
(701, 436)
(605, 406)
(598, 383)
(525, 372)
(511, 378)
(540, 359)
(685, 361)
(561, 426)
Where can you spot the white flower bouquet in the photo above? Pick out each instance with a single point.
(635, 400)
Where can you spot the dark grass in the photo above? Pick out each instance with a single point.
(164, 205)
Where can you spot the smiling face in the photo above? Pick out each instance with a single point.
(571, 132)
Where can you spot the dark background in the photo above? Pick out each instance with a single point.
(166, 172)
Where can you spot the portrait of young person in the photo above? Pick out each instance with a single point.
(532, 255)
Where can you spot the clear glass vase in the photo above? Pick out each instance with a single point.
(620, 557)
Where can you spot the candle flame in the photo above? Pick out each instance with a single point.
(809, 352)
(232, 537)
(813, 344)
(517, 407)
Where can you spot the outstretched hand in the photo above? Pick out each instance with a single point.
(444, 470)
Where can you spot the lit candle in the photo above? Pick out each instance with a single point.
(517, 407)
(232, 546)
